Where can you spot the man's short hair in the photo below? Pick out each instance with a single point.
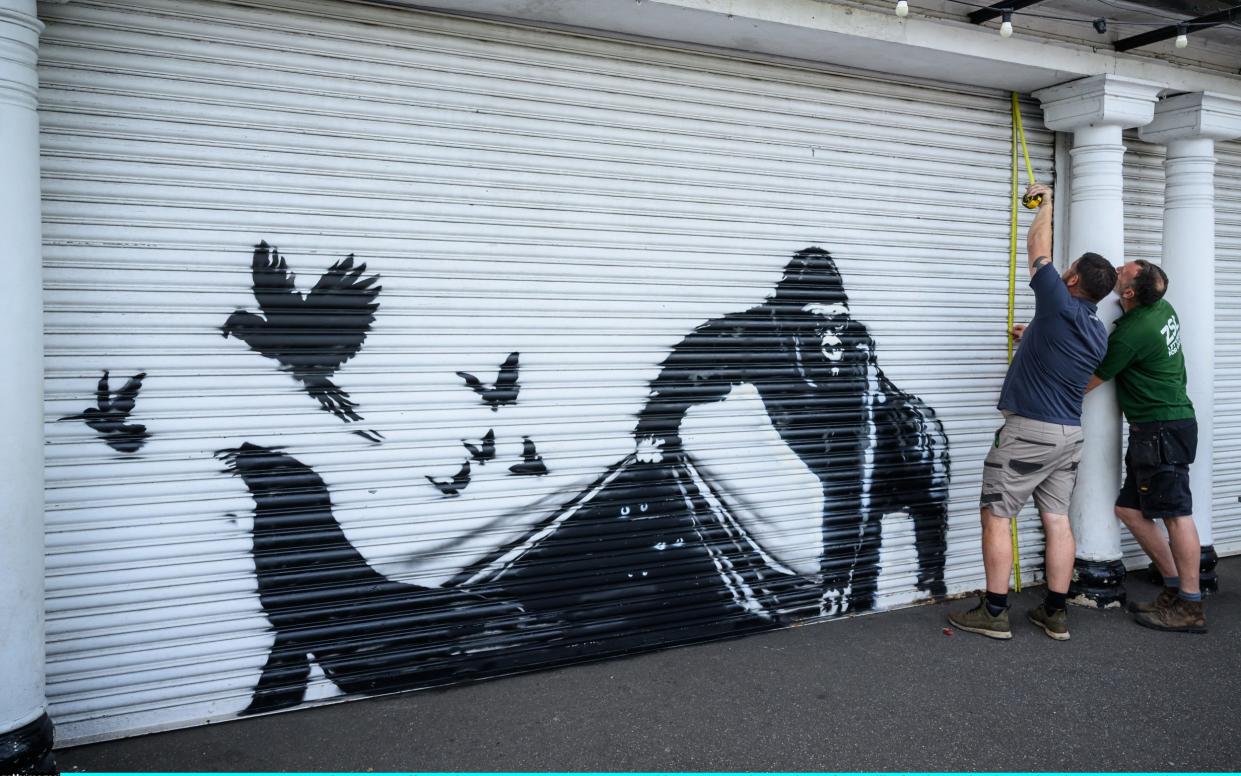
(1097, 276)
(1150, 284)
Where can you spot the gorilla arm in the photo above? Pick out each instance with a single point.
(911, 475)
(701, 368)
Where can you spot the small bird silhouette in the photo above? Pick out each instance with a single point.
(531, 461)
(109, 417)
(486, 452)
(314, 335)
(505, 389)
(457, 484)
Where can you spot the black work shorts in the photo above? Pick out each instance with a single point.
(1157, 468)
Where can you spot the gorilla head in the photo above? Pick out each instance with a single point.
(810, 277)
(810, 302)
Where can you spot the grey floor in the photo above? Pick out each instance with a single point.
(886, 691)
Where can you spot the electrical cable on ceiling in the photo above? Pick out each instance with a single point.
(1149, 11)
(1225, 17)
(1086, 20)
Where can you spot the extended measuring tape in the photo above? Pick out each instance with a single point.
(1019, 139)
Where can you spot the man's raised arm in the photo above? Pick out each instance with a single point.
(1038, 239)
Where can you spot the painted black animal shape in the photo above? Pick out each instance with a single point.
(110, 413)
(325, 603)
(912, 471)
(484, 452)
(457, 484)
(874, 449)
(314, 335)
(648, 555)
(531, 462)
(503, 391)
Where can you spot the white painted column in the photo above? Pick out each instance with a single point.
(1096, 110)
(1189, 125)
(25, 732)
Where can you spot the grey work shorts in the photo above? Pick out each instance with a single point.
(1031, 457)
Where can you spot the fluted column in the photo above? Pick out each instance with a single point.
(1097, 110)
(1189, 125)
(25, 731)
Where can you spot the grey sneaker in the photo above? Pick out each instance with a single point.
(1054, 624)
(979, 620)
(1162, 601)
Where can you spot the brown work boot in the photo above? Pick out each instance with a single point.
(1180, 615)
(1162, 601)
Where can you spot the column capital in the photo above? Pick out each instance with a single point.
(1194, 116)
(1098, 101)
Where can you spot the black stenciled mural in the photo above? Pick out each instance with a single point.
(502, 393)
(875, 449)
(649, 554)
(325, 603)
(110, 412)
(504, 390)
(531, 462)
(454, 486)
(484, 452)
(598, 578)
(311, 336)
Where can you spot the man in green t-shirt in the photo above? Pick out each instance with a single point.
(1144, 355)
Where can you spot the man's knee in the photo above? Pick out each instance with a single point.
(989, 517)
(1128, 515)
(1054, 520)
(1182, 524)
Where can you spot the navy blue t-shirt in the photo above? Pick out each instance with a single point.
(1058, 353)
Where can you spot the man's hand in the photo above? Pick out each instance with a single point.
(1039, 190)
(1017, 332)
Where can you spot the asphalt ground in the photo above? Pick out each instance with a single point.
(889, 691)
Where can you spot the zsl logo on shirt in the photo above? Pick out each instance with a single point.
(1172, 334)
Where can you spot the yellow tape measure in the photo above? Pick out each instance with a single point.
(1031, 202)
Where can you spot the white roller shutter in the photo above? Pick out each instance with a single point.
(587, 204)
(1143, 240)
(1143, 199)
(1226, 516)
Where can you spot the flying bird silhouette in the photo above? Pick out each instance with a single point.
(505, 389)
(313, 335)
(457, 484)
(531, 461)
(371, 435)
(486, 452)
(112, 410)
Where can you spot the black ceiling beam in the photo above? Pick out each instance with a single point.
(997, 10)
(1172, 30)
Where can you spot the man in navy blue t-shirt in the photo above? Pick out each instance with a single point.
(1039, 446)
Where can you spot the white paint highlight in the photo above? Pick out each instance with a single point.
(768, 489)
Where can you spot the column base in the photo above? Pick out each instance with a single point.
(1208, 582)
(1098, 584)
(28, 749)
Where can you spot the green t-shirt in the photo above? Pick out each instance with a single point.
(1144, 355)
